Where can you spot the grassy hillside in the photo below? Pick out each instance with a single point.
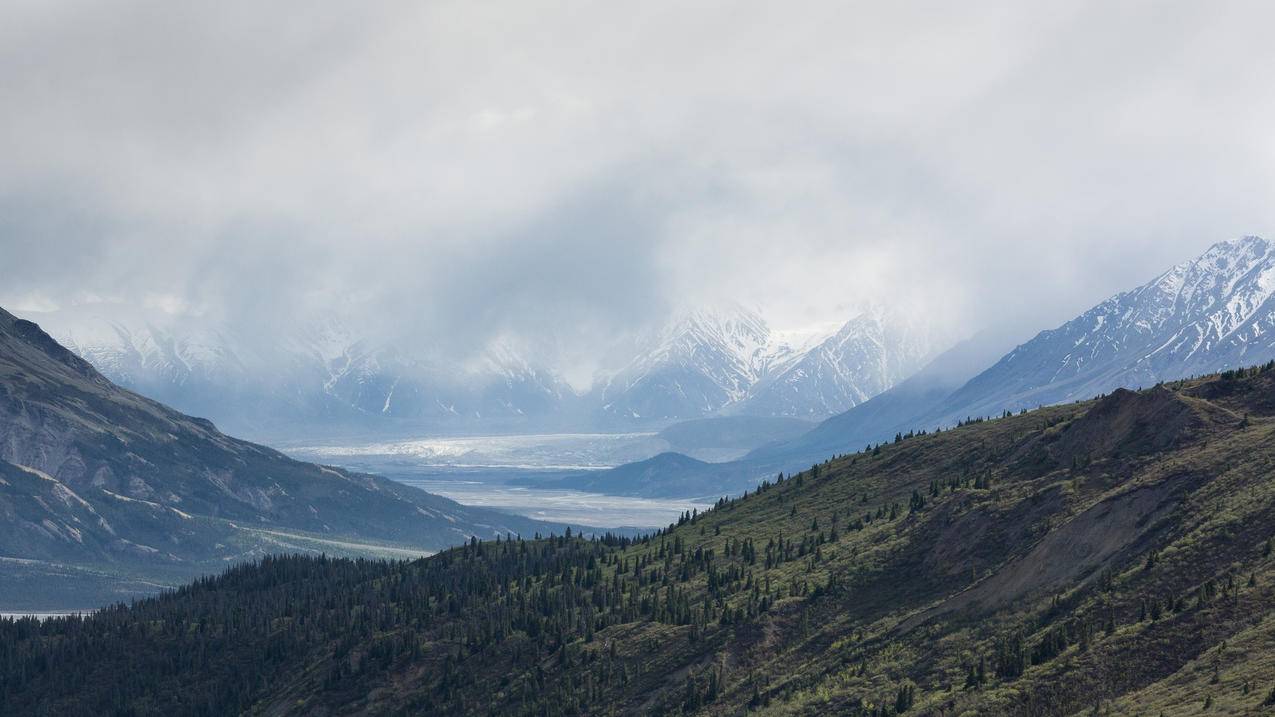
(1111, 556)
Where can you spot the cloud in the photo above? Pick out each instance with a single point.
(562, 173)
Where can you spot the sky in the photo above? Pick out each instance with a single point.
(570, 172)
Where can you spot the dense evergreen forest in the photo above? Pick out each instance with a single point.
(1110, 557)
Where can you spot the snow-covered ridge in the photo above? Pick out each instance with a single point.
(728, 360)
(321, 371)
(704, 360)
(1216, 304)
(1210, 313)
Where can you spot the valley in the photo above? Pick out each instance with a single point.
(532, 493)
(660, 359)
(531, 475)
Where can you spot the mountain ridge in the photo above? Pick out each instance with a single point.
(1228, 290)
(729, 362)
(1222, 302)
(326, 377)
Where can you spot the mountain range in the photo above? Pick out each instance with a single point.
(728, 360)
(1208, 314)
(319, 377)
(1211, 313)
(75, 442)
(106, 494)
(327, 377)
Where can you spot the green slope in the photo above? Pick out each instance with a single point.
(1113, 555)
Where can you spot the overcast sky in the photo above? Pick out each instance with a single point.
(455, 170)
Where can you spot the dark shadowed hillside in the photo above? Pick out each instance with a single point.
(662, 475)
(727, 437)
(1111, 556)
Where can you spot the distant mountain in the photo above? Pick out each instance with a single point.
(1204, 315)
(727, 360)
(665, 475)
(104, 485)
(328, 377)
(866, 356)
(703, 360)
(322, 376)
(897, 410)
(900, 409)
(1209, 314)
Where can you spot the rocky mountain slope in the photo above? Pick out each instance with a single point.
(101, 482)
(1111, 557)
(1211, 313)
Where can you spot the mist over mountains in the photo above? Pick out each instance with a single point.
(728, 359)
(1211, 313)
(329, 376)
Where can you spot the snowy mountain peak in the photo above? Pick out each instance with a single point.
(864, 357)
(730, 328)
(703, 360)
(1197, 304)
(729, 360)
(1213, 312)
(1230, 280)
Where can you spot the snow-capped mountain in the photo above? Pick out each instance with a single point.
(329, 375)
(322, 374)
(727, 359)
(1207, 314)
(702, 360)
(866, 356)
